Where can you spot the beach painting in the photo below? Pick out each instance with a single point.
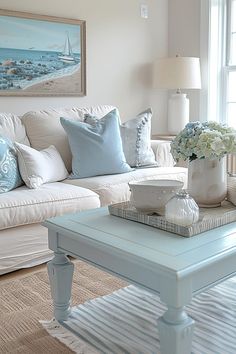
(41, 55)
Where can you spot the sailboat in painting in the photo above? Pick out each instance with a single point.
(67, 54)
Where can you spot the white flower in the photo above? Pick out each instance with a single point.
(204, 140)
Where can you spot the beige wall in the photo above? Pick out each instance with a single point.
(120, 49)
(184, 39)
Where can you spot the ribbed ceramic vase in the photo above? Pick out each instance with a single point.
(207, 181)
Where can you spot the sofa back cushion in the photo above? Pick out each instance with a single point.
(11, 127)
(44, 128)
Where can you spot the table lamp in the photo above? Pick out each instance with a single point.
(177, 73)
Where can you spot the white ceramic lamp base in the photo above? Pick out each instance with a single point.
(178, 113)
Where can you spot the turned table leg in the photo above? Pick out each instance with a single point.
(60, 271)
(176, 331)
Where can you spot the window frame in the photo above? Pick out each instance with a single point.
(223, 67)
(228, 67)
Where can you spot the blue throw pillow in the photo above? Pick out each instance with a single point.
(9, 172)
(97, 148)
(135, 136)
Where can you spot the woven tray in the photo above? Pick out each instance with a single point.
(209, 218)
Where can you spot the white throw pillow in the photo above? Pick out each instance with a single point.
(135, 134)
(38, 167)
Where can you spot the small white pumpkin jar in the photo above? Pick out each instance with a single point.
(182, 209)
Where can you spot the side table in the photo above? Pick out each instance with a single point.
(163, 137)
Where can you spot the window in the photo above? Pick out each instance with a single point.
(230, 67)
(221, 105)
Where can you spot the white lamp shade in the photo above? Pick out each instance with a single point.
(177, 73)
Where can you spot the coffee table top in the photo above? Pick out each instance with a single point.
(151, 245)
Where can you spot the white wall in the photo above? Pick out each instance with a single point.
(120, 49)
(184, 39)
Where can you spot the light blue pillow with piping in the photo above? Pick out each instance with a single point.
(96, 149)
(9, 172)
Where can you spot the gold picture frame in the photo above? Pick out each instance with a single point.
(41, 55)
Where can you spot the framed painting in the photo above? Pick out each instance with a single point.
(41, 55)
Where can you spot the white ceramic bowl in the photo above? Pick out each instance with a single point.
(152, 195)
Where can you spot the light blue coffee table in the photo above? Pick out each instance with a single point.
(174, 267)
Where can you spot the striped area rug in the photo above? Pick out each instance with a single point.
(125, 322)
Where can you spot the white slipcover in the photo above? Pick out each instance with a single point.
(11, 126)
(114, 188)
(23, 206)
(23, 246)
(162, 153)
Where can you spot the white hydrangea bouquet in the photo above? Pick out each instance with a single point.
(208, 140)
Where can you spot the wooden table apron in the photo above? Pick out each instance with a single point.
(176, 275)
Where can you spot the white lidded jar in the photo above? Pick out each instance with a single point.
(182, 209)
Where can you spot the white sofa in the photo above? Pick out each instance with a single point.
(23, 240)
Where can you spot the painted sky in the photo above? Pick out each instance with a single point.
(21, 33)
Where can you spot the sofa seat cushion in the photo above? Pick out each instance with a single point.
(114, 188)
(27, 206)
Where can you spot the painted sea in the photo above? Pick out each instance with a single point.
(21, 68)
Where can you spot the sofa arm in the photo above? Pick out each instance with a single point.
(161, 149)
